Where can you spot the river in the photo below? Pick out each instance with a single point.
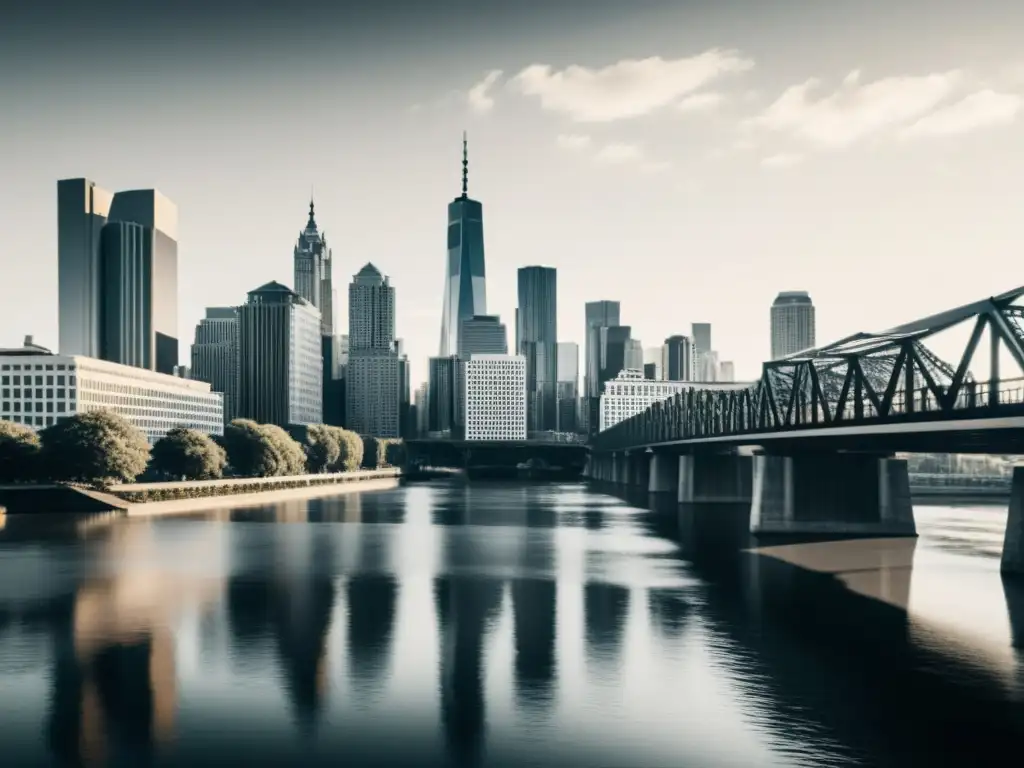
(501, 624)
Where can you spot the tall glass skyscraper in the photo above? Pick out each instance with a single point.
(464, 285)
(792, 323)
(537, 341)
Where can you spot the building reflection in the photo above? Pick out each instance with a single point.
(605, 608)
(372, 599)
(465, 608)
(667, 611)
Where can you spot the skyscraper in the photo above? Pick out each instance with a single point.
(610, 346)
(537, 341)
(652, 357)
(705, 366)
(792, 323)
(599, 314)
(464, 284)
(280, 358)
(634, 360)
(313, 281)
(372, 398)
(118, 275)
(678, 359)
(215, 355)
(441, 394)
(482, 335)
(568, 386)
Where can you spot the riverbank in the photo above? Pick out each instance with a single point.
(139, 499)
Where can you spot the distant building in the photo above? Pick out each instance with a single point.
(727, 372)
(707, 366)
(678, 359)
(372, 388)
(634, 356)
(38, 388)
(652, 356)
(496, 397)
(280, 358)
(701, 336)
(421, 409)
(568, 393)
(610, 349)
(629, 394)
(313, 281)
(651, 371)
(215, 355)
(441, 395)
(537, 341)
(117, 266)
(792, 323)
(482, 335)
(599, 314)
(406, 426)
(465, 293)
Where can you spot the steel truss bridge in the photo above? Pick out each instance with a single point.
(868, 391)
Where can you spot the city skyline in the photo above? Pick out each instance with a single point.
(848, 148)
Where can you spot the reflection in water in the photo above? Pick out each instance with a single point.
(161, 642)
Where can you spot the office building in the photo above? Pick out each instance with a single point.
(701, 336)
(464, 284)
(537, 341)
(678, 359)
(652, 357)
(372, 385)
(482, 335)
(610, 345)
(280, 358)
(599, 315)
(420, 404)
(727, 372)
(629, 394)
(651, 371)
(117, 265)
(406, 427)
(707, 366)
(312, 263)
(634, 357)
(441, 401)
(792, 323)
(38, 388)
(568, 393)
(496, 397)
(215, 355)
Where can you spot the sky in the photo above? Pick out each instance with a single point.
(688, 159)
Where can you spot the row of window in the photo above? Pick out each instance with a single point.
(18, 380)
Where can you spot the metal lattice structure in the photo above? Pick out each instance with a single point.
(862, 379)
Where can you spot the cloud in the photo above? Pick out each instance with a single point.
(618, 153)
(479, 96)
(855, 112)
(574, 141)
(978, 110)
(700, 102)
(627, 89)
(781, 160)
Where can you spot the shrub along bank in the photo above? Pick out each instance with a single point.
(101, 448)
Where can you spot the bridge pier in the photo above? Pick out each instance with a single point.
(639, 469)
(1013, 540)
(664, 474)
(714, 477)
(838, 493)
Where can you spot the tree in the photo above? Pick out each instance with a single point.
(322, 445)
(98, 447)
(262, 450)
(19, 452)
(395, 453)
(350, 456)
(188, 454)
(373, 452)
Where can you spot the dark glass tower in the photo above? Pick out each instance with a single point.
(537, 341)
(464, 291)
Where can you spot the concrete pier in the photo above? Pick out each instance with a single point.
(714, 478)
(664, 473)
(838, 493)
(1013, 540)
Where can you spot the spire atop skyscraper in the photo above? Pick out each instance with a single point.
(465, 166)
(311, 224)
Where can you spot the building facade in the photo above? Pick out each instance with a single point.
(280, 358)
(634, 356)
(792, 323)
(373, 376)
(496, 397)
(313, 267)
(652, 357)
(727, 372)
(599, 315)
(482, 335)
(568, 392)
(465, 292)
(629, 394)
(215, 355)
(441, 399)
(537, 341)
(678, 359)
(38, 388)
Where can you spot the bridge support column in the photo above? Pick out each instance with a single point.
(714, 477)
(620, 468)
(639, 469)
(840, 493)
(664, 474)
(1013, 540)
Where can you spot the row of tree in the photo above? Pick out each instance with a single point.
(102, 448)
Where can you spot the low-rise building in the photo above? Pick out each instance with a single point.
(495, 397)
(37, 388)
(630, 393)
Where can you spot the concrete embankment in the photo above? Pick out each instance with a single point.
(151, 499)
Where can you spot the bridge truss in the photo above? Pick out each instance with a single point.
(864, 378)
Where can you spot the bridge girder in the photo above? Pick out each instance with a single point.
(864, 376)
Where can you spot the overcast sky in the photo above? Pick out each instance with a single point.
(689, 159)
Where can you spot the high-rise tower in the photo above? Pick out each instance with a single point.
(537, 341)
(313, 280)
(792, 323)
(464, 290)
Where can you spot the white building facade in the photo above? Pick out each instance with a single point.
(630, 393)
(495, 397)
(39, 389)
